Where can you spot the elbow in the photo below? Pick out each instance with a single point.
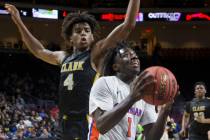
(102, 131)
(24, 40)
(101, 128)
(129, 26)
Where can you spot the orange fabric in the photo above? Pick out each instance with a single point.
(94, 132)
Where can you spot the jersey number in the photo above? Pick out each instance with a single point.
(198, 114)
(129, 127)
(69, 82)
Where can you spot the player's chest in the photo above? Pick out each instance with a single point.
(200, 106)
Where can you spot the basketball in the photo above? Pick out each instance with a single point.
(166, 86)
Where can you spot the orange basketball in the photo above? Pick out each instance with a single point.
(166, 86)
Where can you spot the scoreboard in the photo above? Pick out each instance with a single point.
(160, 16)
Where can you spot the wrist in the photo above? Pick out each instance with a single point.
(182, 130)
(17, 20)
(165, 111)
(204, 121)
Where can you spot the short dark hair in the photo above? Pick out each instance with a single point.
(200, 83)
(78, 17)
(109, 59)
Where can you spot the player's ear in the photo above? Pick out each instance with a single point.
(115, 67)
(205, 90)
(92, 38)
(70, 41)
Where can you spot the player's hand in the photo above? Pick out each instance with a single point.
(13, 11)
(208, 133)
(200, 119)
(167, 106)
(183, 133)
(143, 85)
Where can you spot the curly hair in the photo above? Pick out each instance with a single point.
(74, 18)
(200, 83)
(109, 59)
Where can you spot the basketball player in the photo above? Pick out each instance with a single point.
(116, 103)
(197, 115)
(78, 70)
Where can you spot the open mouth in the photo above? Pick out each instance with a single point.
(83, 39)
(135, 64)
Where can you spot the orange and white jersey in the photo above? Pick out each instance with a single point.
(93, 132)
(106, 93)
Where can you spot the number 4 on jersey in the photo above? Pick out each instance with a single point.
(69, 82)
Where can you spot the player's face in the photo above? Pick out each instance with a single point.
(82, 36)
(127, 61)
(200, 91)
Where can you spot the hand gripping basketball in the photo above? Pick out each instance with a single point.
(165, 88)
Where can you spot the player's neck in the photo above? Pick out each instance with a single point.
(77, 51)
(200, 98)
(126, 78)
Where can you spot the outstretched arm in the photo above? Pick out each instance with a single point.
(120, 33)
(155, 131)
(34, 45)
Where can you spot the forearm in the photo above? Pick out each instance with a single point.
(185, 121)
(122, 31)
(110, 118)
(207, 121)
(158, 128)
(30, 41)
(131, 13)
(35, 46)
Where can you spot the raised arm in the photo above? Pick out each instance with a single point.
(155, 131)
(34, 45)
(120, 33)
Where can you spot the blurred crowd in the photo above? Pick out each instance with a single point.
(31, 86)
(20, 121)
(28, 99)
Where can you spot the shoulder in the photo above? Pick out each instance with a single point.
(142, 102)
(188, 103)
(102, 87)
(207, 100)
(106, 79)
(194, 100)
(105, 82)
(61, 55)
